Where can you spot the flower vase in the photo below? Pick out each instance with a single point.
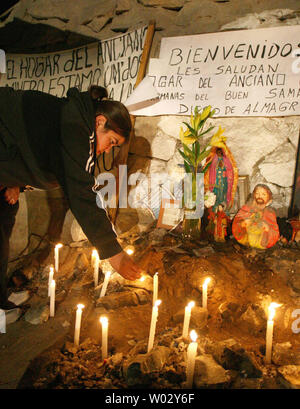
(191, 226)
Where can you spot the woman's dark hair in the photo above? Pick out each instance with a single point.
(116, 114)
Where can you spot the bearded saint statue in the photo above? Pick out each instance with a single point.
(255, 223)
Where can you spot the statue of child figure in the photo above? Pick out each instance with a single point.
(221, 222)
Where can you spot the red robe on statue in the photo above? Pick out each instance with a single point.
(256, 228)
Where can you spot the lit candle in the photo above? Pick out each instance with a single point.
(129, 250)
(95, 264)
(104, 323)
(191, 356)
(105, 284)
(187, 317)
(51, 273)
(52, 298)
(155, 288)
(204, 292)
(153, 324)
(269, 335)
(78, 323)
(56, 258)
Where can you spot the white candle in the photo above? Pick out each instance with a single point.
(95, 264)
(153, 324)
(51, 273)
(155, 288)
(105, 284)
(78, 323)
(52, 298)
(269, 334)
(104, 324)
(56, 257)
(187, 317)
(191, 356)
(204, 292)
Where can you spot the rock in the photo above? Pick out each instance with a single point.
(283, 354)
(116, 359)
(278, 167)
(118, 300)
(238, 359)
(244, 383)
(12, 315)
(253, 320)
(19, 298)
(69, 347)
(228, 311)
(82, 262)
(143, 296)
(204, 251)
(157, 235)
(38, 314)
(208, 372)
(198, 317)
(289, 376)
(137, 370)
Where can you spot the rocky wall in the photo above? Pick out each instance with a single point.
(264, 148)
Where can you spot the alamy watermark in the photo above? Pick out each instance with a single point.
(147, 190)
(2, 62)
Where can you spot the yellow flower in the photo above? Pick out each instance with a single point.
(186, 137)
(205, 113)
(218, 139)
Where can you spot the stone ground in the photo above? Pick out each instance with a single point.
(244, 282)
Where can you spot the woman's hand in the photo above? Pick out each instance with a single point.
(125, 266)
(12, 195)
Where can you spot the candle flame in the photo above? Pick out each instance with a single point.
(95, 253)
(193, 335)
(51, 270)
(80, 306)
(103, 320)
(129, 250)
(58, 246)
(157, 303)
(206, 282)
(142, 278)
(272, 311)
(191, 304)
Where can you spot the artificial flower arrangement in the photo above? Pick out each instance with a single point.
(194, 153)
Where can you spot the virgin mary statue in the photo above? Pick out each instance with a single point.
(222, 177)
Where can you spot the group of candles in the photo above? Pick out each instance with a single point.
(192, 347)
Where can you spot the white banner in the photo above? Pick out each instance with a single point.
(112, 63)
(238, 73)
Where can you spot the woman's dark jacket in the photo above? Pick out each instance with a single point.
(46, 141)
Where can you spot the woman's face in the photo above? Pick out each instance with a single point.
(106, 139)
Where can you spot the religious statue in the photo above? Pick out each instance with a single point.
(221, 222)
(255, 223)
(222, 177)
